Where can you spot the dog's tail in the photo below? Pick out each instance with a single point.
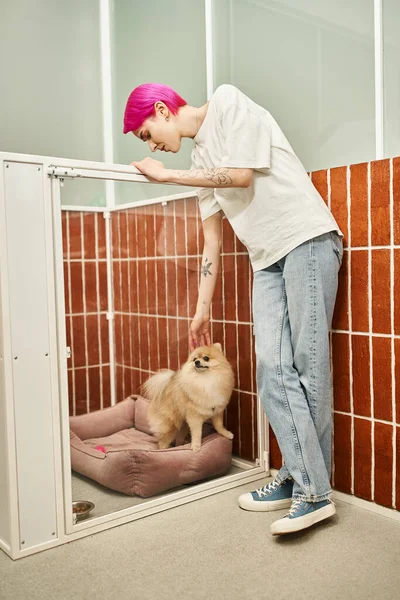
(154, 387)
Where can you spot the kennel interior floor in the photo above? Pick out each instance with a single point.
(211, 549)
(107, 501)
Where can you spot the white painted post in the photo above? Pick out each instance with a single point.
(379, 80)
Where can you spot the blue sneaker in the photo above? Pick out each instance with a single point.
(273, 496)
(303, 514)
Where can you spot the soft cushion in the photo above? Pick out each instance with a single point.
(133, 464)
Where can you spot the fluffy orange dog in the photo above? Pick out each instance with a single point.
(199, 391)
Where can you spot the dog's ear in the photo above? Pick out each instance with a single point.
(218, 345)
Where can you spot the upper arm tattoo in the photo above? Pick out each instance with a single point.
(218, 176)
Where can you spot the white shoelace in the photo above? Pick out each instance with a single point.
(268, 489)
(294, 508)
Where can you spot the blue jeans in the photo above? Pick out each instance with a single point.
(293, 302)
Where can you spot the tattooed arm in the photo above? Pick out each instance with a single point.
(199, 327)
(222, 177)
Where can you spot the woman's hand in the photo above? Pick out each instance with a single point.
(199, 331)
(154, 169)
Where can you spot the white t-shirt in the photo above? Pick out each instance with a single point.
(281, 209)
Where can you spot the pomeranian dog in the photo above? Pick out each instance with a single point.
(183, 400)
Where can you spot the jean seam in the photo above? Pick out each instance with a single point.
(313, 328)
(281, 386)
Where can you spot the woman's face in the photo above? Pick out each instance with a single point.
(160, 133)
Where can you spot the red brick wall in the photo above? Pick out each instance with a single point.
(365, 200)
(156, 260)
(85, 277)
(156, 264)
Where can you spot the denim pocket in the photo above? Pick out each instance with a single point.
(337, 245)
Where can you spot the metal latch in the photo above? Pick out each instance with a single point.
(62, 173)
(68, 351)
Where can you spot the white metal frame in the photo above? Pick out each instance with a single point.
(379, 80)
(54, 169)
(378, 68)
(209, 48)
(107, 115)
(106, 88)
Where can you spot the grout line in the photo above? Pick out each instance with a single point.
(129, 316)
(71, 318)
(137, 288)
(111, 330)
(253, 412)
(187, 264)
(199, 250)
(371, 377)
(156, 291)
(342, 331)
(166, 283)
(348, 189)
(121, 324)
(89, 313)
(365, 418)
(393, 366)
(87, 260)
(96, 237)
(237, 345)
(146, 252)
(175, 261)
(84, 311)
(89, 367)
(142, 258)
(368, 334)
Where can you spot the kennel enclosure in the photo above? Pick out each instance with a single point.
(35, 471)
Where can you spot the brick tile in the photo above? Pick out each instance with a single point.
(383, 441)
(362, 458)
(382, 378)
(359, 204)
(361, 375)
(342, 452)
(341, 371)
(380, 203)
(359, 290)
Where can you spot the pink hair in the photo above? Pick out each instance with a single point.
(140, 105)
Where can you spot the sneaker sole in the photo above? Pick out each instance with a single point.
(247, 503)
(293, 525)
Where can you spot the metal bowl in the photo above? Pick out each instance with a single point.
(81, 509)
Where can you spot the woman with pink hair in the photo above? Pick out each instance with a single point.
(246, 169)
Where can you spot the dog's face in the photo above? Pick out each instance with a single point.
(206, 358)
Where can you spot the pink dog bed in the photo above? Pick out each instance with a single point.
(132, 462)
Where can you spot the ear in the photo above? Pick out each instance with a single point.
(161, 109)
(218, 345)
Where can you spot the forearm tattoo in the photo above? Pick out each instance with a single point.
(205, 269)
(218, 176)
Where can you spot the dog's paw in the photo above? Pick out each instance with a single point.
(228, 434)
(195, 448)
